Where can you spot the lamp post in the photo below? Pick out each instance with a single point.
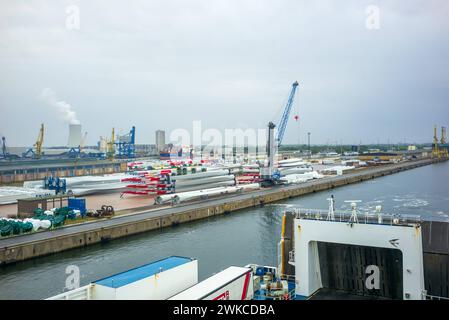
(308, 140)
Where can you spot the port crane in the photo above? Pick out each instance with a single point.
(110, 153)
(37, 152)
(4, 153)
(440, 147)
(122, 146)
(126, 144)
(268, 172)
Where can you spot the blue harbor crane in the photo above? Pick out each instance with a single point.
(126, 144)
(286, 114)
(268, 172)
(5, 154)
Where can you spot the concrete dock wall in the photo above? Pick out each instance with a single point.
(23, 250)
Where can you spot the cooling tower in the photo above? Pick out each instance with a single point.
(74, 136)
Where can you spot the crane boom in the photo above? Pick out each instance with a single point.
(284, 119)
(39, 142)
(269, 172)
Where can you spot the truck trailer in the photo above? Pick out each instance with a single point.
(233, 283)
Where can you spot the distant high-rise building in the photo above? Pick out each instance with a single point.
(160, 140)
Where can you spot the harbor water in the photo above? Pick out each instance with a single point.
(238, 238)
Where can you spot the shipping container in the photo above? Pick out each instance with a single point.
(77, 204)
(158, 280)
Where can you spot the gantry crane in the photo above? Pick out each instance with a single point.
(126, 144)
(268, 172)
(440, 147)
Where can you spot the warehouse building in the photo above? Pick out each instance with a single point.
(38, 170)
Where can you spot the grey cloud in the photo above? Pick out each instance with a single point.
(163, 64)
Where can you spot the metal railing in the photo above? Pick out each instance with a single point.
(426, 296)
(290, 294)
(359, 217)
(82, 293)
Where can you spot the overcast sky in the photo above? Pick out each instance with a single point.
(163, 64)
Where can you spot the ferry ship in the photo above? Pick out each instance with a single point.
(323, 254)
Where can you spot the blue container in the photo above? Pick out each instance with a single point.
(78, 204)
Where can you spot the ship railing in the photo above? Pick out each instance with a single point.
(288, 296)
(81, 293)
(359, 217)
(426, 296)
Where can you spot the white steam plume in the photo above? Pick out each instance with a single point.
(64, 109)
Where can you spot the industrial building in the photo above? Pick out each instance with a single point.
(146, 150)
(394, 156)
(38, 170)
(160, 140)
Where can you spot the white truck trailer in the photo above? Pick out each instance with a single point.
(158, 280)
(233, 283)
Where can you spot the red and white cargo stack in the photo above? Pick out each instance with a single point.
(146, 183)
